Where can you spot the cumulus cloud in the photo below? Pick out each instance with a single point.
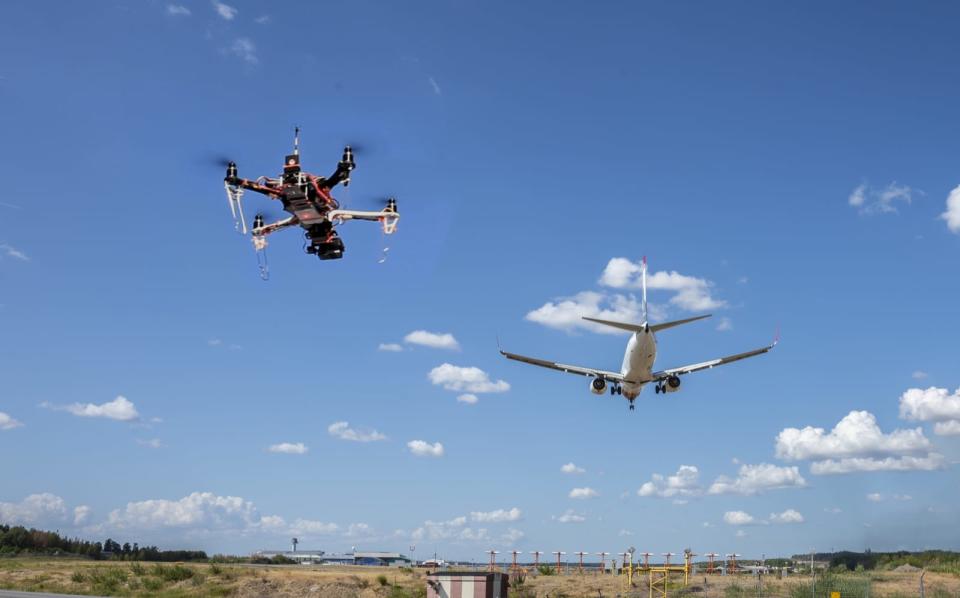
(498, 516)
(452, 530)
(390, 347)
(11, 251)
(952, 215)
(197, 510)
(153, 443)
(81, 514)
(469, 399)
(119, 409)
(788, 516)
(435, 340)
(245, 50)
(309, 527)
(686, 482)
(289, 448)
(739, 518)
(566, 313)
(919, 375)
(572, 468)
(624, 533)
(582, 493)
(570, 516)
(465, 379)
(36, 509)
(931, 462)
(226, 12)
(422, 448)
(7, 422)
(933, 405)
(725, 324)
(343, 431)
(875, 497)
(690, 293)
(869, 200)
(856, 443)
(262, 20)
(178, 10)
(753, 479)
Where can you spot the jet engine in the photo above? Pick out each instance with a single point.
(671, 384)
(598, 385)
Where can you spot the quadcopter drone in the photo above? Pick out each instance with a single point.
(308, 200)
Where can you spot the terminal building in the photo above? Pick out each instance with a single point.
(319, 557)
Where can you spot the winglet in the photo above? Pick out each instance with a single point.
(776, 337)
(499, 348)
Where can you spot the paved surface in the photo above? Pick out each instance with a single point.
(16, 594)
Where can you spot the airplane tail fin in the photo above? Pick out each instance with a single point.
(644, 326)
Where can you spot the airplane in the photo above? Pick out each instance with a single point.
(638, 360)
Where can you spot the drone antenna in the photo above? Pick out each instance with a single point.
(296, 141)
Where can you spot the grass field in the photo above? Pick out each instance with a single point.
(113, 578)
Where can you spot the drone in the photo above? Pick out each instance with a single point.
(308, 200)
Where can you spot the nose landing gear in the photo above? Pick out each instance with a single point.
(631, 404)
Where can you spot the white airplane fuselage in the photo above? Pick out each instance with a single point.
(638, 362)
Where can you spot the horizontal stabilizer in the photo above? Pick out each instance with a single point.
(665, 325)
(620, 325)
(641, 327)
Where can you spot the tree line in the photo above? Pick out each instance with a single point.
(16, 540)
(867, 560)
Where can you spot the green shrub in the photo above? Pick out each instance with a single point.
(216, 569)
(545, 570)
(382, 579)
(172, 574)
(138, 569)
(78, 577)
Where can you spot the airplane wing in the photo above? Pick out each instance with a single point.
(706, 365)
(614, 377)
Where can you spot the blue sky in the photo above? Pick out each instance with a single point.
(792, 165)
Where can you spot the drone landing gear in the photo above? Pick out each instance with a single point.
(260, 245)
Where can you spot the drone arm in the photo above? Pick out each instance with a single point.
(267, 229)
(344, 167)
(269, 190)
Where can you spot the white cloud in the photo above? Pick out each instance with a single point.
(572, 468)
(469, 399)
(686, 482)
(902, 497)
(359, 530)
(289, 448)
(875, 497)
(753, 479)
(36, 509)
(570, 516)
(741, 533)
(881, 201)
(952, 215)
(856, 443)
(178, 10)
(690, 293)
(7, 422)
(511, 536)
(933, 405)
(833, 510)
(244, 49)
(422, 448)
(153, 443)
(262, 20)
(465, 379)
(454, 529)
(498, 516)
(309, 527)
(197, 510)
(582, 493)
(81, 514)
(11, 251)
(950, 428)
(343, 431)
(119, 409)
(624, 533)
(435, 340)
(390, 347)
(788, 516)
(725, 324)
(566, 313)
(739, 518)
(931, 462)
(919, 375)
(214, 342)
(435, 86)
(226, 12)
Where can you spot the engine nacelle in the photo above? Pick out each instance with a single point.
(671, 384)
(598, 386)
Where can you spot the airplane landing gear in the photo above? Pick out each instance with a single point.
(616, 389)
(631, 405)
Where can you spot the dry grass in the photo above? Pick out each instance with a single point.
(244, 581)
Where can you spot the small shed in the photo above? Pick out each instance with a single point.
(466, 584)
